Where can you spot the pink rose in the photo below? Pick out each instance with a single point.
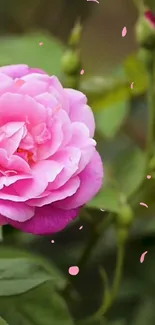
(49, 166)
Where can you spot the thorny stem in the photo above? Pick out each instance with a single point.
(109, 298)
(98, 231)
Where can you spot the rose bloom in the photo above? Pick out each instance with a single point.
(49, 167)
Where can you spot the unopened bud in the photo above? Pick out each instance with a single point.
(71, 62)
(145, 30)
(75, 36)
(70, 81)
(125, 216)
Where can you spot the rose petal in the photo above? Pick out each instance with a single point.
(79, 111)
(66, 190)
(10, 109)
(43, 172)
(18, 70)
(47, 220)
(70, 158)
(33, 88)
(11, 135)
(92, 174)
(16, 210)
(3, 221)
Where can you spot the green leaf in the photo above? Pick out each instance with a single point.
(143, 226)
(136, 72)
(109, 120)
(105, 92)
(26, 50)
(2, 321)
(109, 91)
(130, 169)
(130, 289)
(98, 85)
(18, 275)
(108, 199)
(40, 306)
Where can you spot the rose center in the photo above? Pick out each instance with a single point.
(29, 154)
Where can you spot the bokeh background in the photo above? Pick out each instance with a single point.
(101, 41)
(120, 134)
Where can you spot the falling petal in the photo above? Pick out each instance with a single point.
(148, 176)
(73, 270)
(143, 256)
(131, 86)
(52, 241)
(102, 210)
(82, 71)
(124, 31)
(94, 1)
(80, 227)
(144, 204)
(41, 43)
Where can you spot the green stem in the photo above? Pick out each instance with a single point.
(98, 231)
(71, 60)
(109, 299)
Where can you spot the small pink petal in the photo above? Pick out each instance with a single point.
(124, 31)
(148, 176)
(52, 241)
(102, 210)
(94, 1)
(41, 43)
(82, 71)
(143, 256)
(19, 82)
(80, 227)
(144, 204)
(132, 83)
(73, 270)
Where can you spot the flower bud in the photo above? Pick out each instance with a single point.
(145, 30)
(75, 36)
(71, 62)
(69, 81)
(125, 216)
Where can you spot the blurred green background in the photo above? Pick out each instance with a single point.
(111, 64)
